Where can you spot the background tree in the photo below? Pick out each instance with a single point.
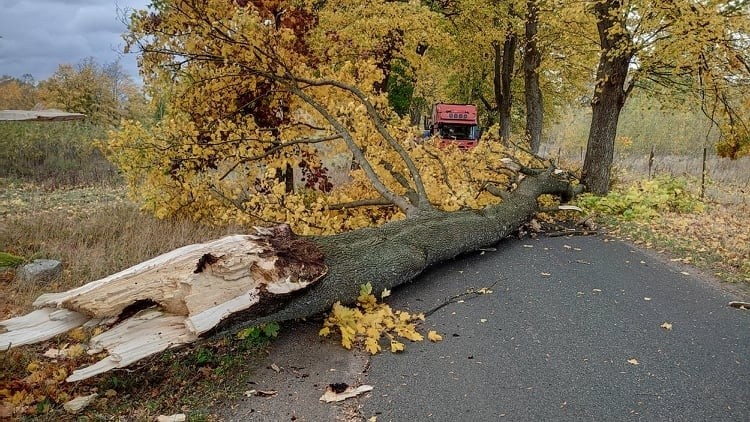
(17, 94)
(532, 60)
(103, 92)
(685, 47)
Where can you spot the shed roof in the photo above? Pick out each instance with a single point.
(39, 115)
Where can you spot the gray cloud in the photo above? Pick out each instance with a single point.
(37, 36)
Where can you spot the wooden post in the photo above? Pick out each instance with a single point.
(703, 174)
(650, 162)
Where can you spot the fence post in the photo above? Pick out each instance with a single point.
(703, 174)
(650, 162)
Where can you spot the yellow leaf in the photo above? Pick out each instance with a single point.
(324, 332)
(77, 334)
(397, 346)
(667, 326)
(434, 336)
(633, 361)
(372, 346)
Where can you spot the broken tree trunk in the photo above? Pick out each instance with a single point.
(245, 280)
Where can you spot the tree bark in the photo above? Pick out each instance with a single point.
(609, 95)
(240, 281)
(504, 64)
(532, 59)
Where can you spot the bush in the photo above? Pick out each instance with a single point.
(645, 199)
(54, 153)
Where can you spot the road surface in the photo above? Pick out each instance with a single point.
(573, 329)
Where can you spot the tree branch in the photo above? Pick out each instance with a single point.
(359, 155)
(380, 126)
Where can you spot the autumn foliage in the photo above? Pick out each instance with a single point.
(271, 119)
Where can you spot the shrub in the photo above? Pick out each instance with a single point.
(645, 199)
(54, 153)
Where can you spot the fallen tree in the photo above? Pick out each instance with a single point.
(245, 280)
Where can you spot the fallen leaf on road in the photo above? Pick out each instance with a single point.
(528, 246)
(546, 274)
(385, 293)
(633, 361)
(596, 290)
(646, 299)
(667, 326)
(739, 305)
(266, 393)
(684, 273)
(260, 393)
(331, 396)
(482, 320)
(434, 336)
(275, 367)
(484, 291)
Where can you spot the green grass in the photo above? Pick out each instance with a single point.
(8, 260)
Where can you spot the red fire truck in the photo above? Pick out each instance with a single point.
(455, 123)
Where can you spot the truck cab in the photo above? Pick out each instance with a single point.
(455, 124)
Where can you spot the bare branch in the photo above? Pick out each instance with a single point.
(278, 147)
(374, 202)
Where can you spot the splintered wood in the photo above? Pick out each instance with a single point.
(174, 298)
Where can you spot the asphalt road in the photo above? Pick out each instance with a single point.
(571, 331)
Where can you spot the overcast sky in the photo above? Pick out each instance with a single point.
(39, 35)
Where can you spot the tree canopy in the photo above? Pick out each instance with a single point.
(277, 111)
(255, 94)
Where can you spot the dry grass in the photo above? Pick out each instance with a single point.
(96, 232)
(93, 231)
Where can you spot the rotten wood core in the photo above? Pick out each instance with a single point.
(174, 298)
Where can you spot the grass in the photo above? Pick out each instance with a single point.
(96, 231)
(666, 214)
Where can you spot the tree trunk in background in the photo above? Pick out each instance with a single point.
(609, 95)
(504, 63)
(532, 58)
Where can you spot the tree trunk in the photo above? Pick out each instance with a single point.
(245, 280)
(532, 59)
(504, 64)
(609, 95)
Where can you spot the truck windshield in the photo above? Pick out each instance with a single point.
(463, 132)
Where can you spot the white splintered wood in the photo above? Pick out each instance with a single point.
(186, 292)
(40, 325)
(204, 321)
(167, 280)
(142, 335)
